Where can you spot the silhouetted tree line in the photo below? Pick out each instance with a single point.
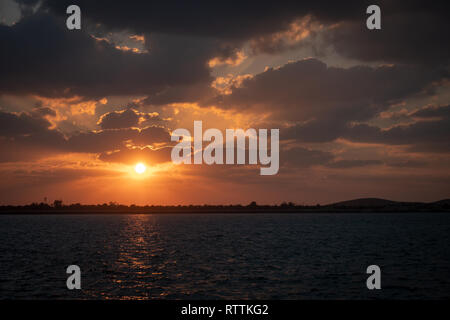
(285, 207)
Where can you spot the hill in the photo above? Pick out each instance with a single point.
(365, 202)
(442, 202)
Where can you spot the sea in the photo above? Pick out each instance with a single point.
(313, 256)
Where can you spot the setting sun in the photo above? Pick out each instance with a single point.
(140, 168)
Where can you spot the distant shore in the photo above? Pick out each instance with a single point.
(366, 205)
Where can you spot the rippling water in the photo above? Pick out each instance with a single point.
(254, 256)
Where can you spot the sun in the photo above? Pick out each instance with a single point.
(140, 168)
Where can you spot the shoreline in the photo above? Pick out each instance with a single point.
(257, 212)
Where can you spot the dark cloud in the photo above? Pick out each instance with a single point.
(415, 35)
(412, 31)
(117, 139)
(13, 125)
(324, 100)
(307, 88)
(45, 58)
(119, 119)
(127, 118)
(231, 20)
(329, 103)
(29, 136)
(423, 135)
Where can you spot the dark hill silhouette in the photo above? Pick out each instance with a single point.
(365, 202)
(442, 202)
(383, 205)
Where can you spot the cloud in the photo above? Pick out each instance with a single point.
(321, 101)
(126, 119)
(116, 139)
(412, 33)
(181, 39)
(29, 135)
(46, 59)
(269, 25)
(229, 21)
(306, 88)
(132, 156)
(429, 135)
(12, 125)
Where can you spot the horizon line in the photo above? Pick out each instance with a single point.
(57, 203)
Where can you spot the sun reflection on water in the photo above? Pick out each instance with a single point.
(140, 261)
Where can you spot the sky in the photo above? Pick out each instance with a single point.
(361, 113)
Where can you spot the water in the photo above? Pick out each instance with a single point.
(234, 256)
